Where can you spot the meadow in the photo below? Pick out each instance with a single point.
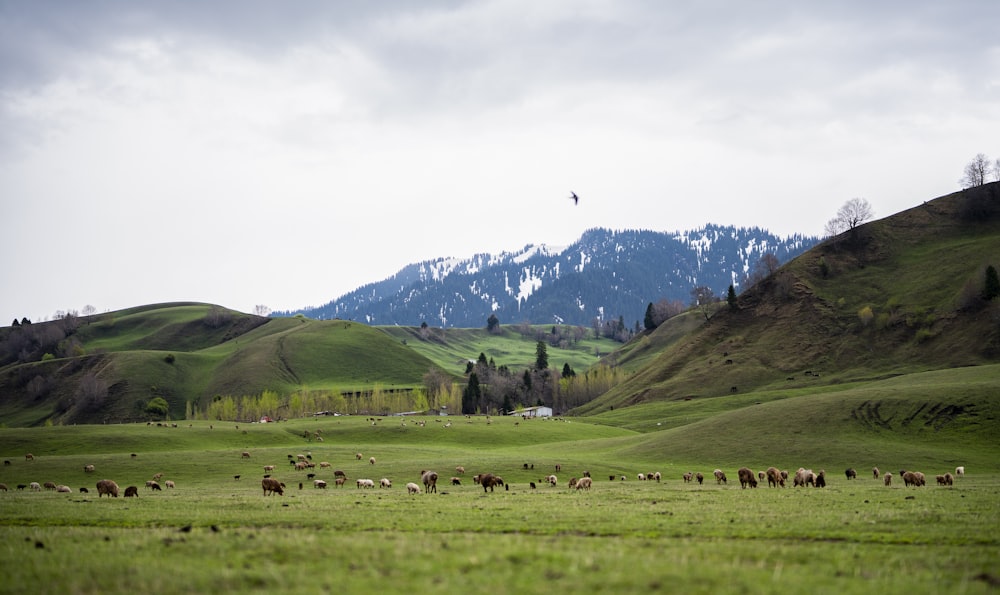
(214, 532)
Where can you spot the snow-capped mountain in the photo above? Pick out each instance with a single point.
(605, 274)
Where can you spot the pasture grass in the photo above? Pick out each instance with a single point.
(622, 536)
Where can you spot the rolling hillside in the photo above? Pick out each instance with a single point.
(108, 368)
(895, 296)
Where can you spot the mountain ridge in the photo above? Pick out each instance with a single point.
(605, 274)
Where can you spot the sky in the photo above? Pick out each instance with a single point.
(256, 152)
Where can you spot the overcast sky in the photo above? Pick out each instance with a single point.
(285, 153)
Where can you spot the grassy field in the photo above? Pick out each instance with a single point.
(213, 532)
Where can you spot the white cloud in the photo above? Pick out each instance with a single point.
(241, 154)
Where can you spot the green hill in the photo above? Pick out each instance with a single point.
(108, 368)
(895, 296)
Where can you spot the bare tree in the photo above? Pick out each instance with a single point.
(976, 172)
(261, 310)
(664, 310)
(996, 170)
(703, 299)
(89, 310)
(92, 391)
(854, 212)
(764, 268)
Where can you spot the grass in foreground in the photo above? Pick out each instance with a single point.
(622, 536)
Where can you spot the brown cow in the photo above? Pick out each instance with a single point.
(272, 486)
(132, 492)
(488, 480)
(746, 478)
(106, 486)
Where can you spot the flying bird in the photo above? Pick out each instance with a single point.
(574, 198)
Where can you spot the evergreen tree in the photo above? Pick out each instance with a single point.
(567, 371)
(493, 323)
(731, 297)
(991, 285)
(471, 396)
(541, 356)
(649, 321)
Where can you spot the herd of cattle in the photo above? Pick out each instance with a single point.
(105, 487)
(490, 481)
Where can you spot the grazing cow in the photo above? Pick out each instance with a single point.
(698, 476)
(384, 483)
(84, 491)
(460, 469)
(960, 470)
(88, 468)
(169, 483)
(29, 457)
(774, 478)
(340, 481)
(820, 480)
(319, 483)
(488, 480)
(456, 481)
(3, 487)
(887, 479)
(875, 472)
(429, 479)
(412, 488)
(272, 486)
(132, 492)
(339, 473)
(851, 473)
(49, 485)
(746, 478)
(584, 483)
(106, 486)
(156, 487)
(720, 477)
(688, 477)
(371, 460)
(246, 455)
(804, 477)
(358, 456)
(35, 486)
(324, 465)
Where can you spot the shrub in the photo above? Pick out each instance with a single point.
(47, 357)
(865, 315)
(169, 358)
(157, 406)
